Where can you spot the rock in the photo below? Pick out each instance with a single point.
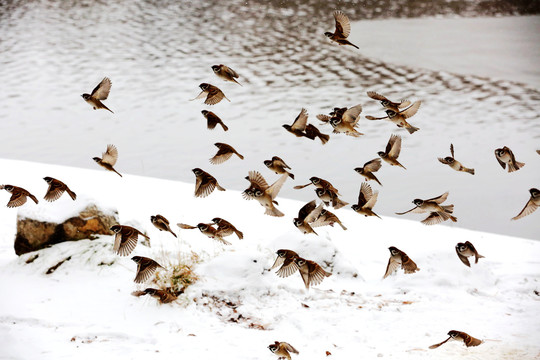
(35, 234)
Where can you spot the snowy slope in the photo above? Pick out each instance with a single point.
(84, 309)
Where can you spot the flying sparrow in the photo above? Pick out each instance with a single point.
(212, 93)
(393, 148)
(56, 189)
(438, 213)
(387, 104)
(327, 218)
(163, 296)
(224, 153)
(347, 121)
(263, 193)
(212, 120)
(145, 268)
(464, 250)
(453, 163)
(108, 158)
(205, 183)
(366, 200)
(400, 117)
(319, 183)
(225, 73)
(100, 92)
(367, 171)
(300, 128)
(285, 262)
(467, 339)
(311, 272)
(125, 239)
(278, 166)
(505, 156)
(399, 258)
(306, 215)
(282, 350)
(206, 229)
(161, 223)
(329, 197)
(18, 195)
(225, 228)
(531, 205)
(343, 30)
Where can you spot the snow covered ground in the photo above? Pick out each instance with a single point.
(84, 309)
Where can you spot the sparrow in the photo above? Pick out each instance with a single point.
(327, 218)
(282, 350)
(161, 223)
(125, 239)
(285, 262)
(212, 120)
(343, 29)
(330, 197)
(163, 296)
(366, 200)
(100, 92)
(391, 153)
(400, 117)
(300, 128)
(206, 229)
(306, 215)
(108, 158)
(453, 163)
(538, 152)
(367, 171)
(212, 93)
(56, 189)
(225, 73)
(346, 122)
(531, 205)
(505, 156)
(319, 183)
(438, 213)
(399, 258)
(387, 104)
(224, 153)
(263, 193)
(205, 183)
(467, 339)
(311, 272)
(464, 250)
(145, 268)
(278, 166)
(225, 228)
(18, 195)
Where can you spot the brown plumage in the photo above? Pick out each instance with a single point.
(367, 171)
(306, 215)
(264, 194)
(163, 296)
(56, 189)
(465, 250)
(212, 120)
(108, 158)
(212, 93)
(161, 223)
(18, 195)
(505, 156)
(225, 73)
(386, 103)
(399, 259)
(467, 339)
(100, 92)
(300, 128)
(327, 218)
(285, 262)
(224, 153)
(282, 349)
(330, 198)
(145, 268)
(319, 183)
(437, 212)
(392, 151)
(125, 239)
(366, 201)
(342, 31)
(225, 228)
(400, 117)
(531, 205)
(278, 166)
(453, 163)
(346, 121)
(205, 183)
(206, 229)
(311, 272)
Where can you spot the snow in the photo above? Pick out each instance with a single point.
(84, 309)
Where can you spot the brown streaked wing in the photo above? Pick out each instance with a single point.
(127, 243)
(162, 218)
(279, 162)
(212, 120)
(273, 189)
(206, 186)
(439, 199)
(407, 264)
(17, 199)
(324, 118)
(414, 210)
(411, 110)
(352, 115)
(258, 180)
(214, 96)
(376, 96)
(373, 165)
(221, 156)
(395, 148)
(145, 269)
(434, 218)
(371, 202)
(392, 266)
(306, 209)
(101, 91)
(229, 71)
(452, 150)
(316, 273)
(343, 25)
(443, 161)
(529, 208)
(288, 268)
(185, 226)
(289, 347)
(55, 190)
(463, 258)
(301, 121)
(365, 194)
(110, 156)
(314, 214)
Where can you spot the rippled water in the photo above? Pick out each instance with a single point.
(157, 53)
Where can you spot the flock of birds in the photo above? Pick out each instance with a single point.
(343, 120)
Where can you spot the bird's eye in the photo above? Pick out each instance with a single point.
(385, 102)
(391, 113)
(258, 193)
(301, 262)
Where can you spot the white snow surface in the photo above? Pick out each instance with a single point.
(85, 309)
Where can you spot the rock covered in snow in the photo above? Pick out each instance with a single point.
(35, 232)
